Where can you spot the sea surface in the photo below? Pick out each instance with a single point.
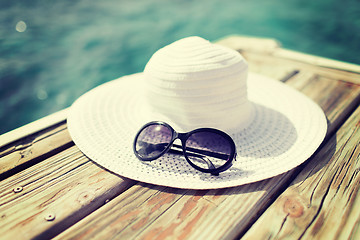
(51, 52)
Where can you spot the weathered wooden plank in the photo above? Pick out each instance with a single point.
(270, 66)
(224, 213)
(152, 212)
(318, 62)
(275, 61)
(323, 202)
(259, 54)
(217, 214)
(338, 99)
(67, 185)
(34, 148)
(269, 51)
(33, 127)
(270, 63)
(129, 213)
(251, 44)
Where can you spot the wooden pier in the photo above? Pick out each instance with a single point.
(50, 189)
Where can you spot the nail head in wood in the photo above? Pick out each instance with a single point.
(17, 189)
(50, 217)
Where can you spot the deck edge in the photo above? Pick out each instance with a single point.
(33, 127)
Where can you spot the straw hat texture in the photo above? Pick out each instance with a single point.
(189, 84)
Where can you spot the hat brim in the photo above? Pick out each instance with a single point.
(286, 130)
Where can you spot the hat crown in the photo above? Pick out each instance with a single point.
(195, 83)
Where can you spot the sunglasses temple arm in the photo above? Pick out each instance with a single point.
(191, 151)
(180, 152)
(204, 158)
(207, 153)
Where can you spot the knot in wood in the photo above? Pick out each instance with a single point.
(293, 208)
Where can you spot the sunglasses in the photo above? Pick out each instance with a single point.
(205, 149)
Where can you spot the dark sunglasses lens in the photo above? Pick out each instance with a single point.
(208, 150)
(152, 141)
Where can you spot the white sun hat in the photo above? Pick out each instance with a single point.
(189, 84)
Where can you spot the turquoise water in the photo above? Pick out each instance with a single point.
(51, 52)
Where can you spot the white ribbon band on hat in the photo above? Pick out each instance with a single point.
(186, 84)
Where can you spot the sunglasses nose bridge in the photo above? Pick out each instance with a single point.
(182, 137)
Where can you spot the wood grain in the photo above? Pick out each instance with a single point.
(34, 148)
(338, 99)
(67, 185)
(226, 213)
(33, 127)
(151, 212)
(323, 202)
(63, 191)
(269, 50)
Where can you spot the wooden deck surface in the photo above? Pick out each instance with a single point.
(49, 189)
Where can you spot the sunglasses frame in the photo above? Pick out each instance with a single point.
(183, 138)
